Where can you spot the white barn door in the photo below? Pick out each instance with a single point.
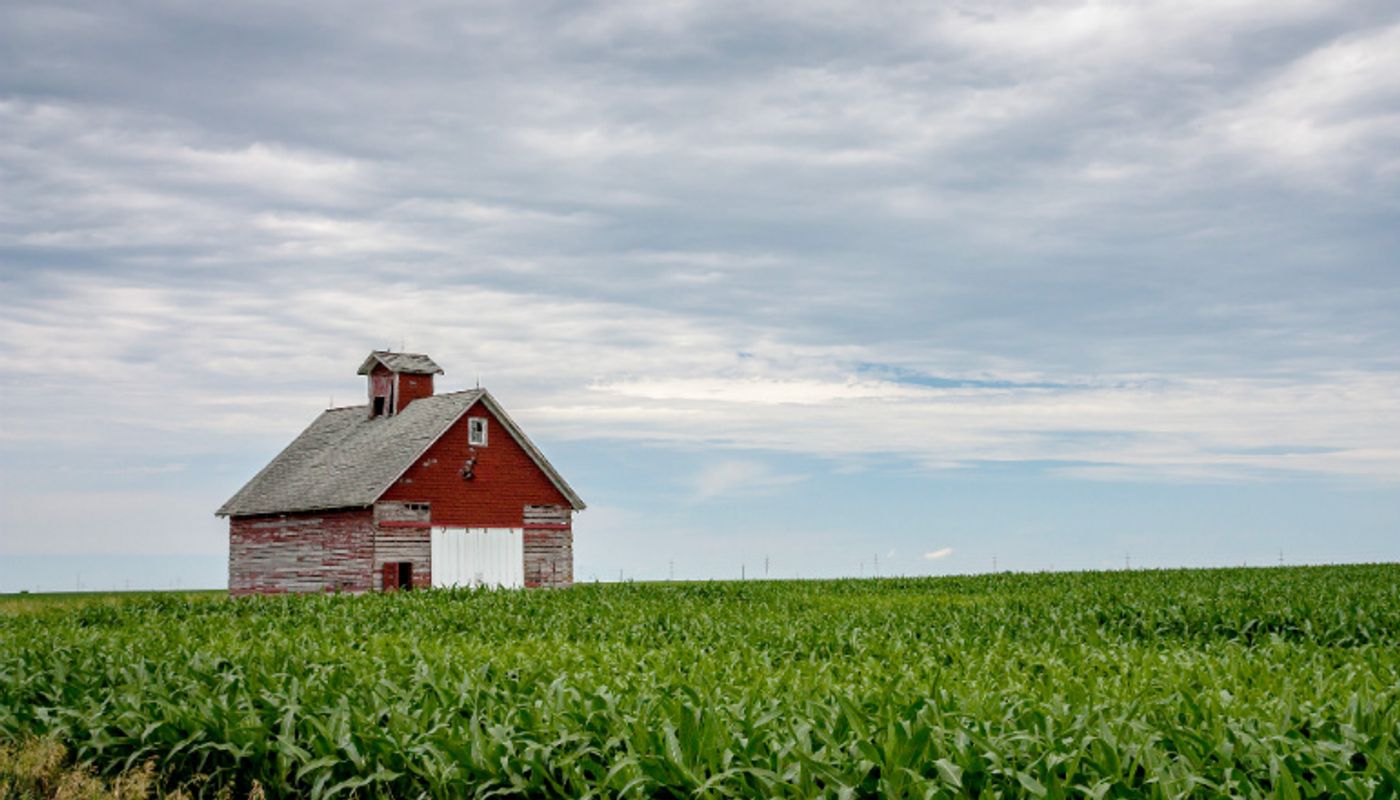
(493, 557)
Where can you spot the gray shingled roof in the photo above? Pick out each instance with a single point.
(346, 459)
(411, 363)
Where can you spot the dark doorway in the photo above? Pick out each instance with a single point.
(398, 576)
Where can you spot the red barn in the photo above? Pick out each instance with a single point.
(413, 489)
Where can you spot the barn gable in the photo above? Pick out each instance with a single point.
(531, 450)
(504, 476)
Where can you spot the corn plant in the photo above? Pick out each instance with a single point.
(1249, 683)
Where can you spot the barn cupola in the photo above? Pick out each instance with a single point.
(397, 379)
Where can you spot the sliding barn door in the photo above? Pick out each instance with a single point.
(492, 557)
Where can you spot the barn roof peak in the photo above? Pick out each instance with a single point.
(408, 363)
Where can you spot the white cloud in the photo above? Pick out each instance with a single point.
(1096, 222)
(223, 362)
(733, 477)
(1334, 107)
(757, 391)
(942, 552)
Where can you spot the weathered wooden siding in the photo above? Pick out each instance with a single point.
(381, 384)
(312, 552)
(347, 550)
(393, 512)
(506, 479)
(401, 533)
(549, 546)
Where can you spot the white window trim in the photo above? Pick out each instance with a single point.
(471, 431)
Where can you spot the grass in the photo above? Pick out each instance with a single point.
(41, 768)
(1262, 683)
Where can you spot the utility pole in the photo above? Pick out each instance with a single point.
(877, 565)
(994, 563)
(743, 572)
(1127, 561)
(765, 566)
(619, 576)
(673, 570)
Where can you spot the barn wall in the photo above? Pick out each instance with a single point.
(549, 546)
(549, 558)
(506, 479)
(312, 552)
(402, 534)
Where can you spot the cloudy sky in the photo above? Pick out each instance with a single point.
(1064, 285)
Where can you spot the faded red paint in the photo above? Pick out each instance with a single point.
(381, 387)
(309, 552)
(549, 557)
(322, 551)
(506, 479)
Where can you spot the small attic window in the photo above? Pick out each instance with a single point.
(476, 431)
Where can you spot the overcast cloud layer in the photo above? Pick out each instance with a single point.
(1144, 242)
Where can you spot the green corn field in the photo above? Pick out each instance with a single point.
(1192, 683)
